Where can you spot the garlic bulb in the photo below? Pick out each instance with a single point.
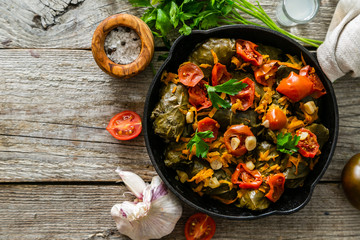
(152, 215)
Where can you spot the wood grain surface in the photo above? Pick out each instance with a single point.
(71, 23)
(57, 161)
(83, 212)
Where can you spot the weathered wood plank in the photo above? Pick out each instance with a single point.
(71, 23)
(83, 212)
(54, 108)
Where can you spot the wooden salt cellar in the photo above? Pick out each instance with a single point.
(146, 52)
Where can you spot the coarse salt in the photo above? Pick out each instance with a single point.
(122, 45)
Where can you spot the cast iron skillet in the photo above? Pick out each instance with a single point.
(292, 199)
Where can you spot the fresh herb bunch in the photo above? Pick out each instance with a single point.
(164, 15)
(286, 143)
(202, 147)
(231, 87)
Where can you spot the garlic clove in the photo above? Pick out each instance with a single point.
(153, 218)
(133, 182)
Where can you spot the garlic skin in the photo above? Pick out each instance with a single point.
(132, 181)
(152, 216)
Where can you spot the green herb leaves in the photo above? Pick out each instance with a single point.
(202, 147)
(286, 143)
(162, 16)
(231, 87)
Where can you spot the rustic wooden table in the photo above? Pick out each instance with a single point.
(57, 161)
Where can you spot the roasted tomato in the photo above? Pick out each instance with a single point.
(197, 96)
(246, 178)
(318, 87)
(125, 125)
(277, 119)
(219, 74)
(236, 146)
(211, 125)
(351, 180)
(246, 96)
(266, 72)
(276, 183)
(308, 144)
(247, 51)
(295, 87)
(200, 227)
(190, 74)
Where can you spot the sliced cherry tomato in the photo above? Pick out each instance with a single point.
(309, 146)
(246, 95)
(125, 125)
(247, 51)
(237, 131)
(318, 88)
(200, 227)
(266, 72)
(295, 87)
(276, 183)
(246, 178)
(211, 125)
(197, 96)
(219, 74)
(277, 119)
(190, 74)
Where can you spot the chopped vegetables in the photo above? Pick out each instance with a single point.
(237, 133)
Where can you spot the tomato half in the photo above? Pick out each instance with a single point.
(246, 95)
(200, 227)
(309, 146)
(197, 96)
(219, 74)
(211, 125)
(277, 119)
(246, 178)
(276, 183)
(295, 87)
(241, 132)
(247, 51)
(190, 74)
(266, 72)
(318, 88)
(125, 125)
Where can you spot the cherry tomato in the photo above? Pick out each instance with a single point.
(295, 87)
(241, 132)
(247, 51)
(246, 178)
(350, 178)
(277, 119)
(266, 72)
(211, 125)
(197, 96)
(276, 183)
(200, 227)
(190, 74)
(246, 95)
(309, 146)
(219, 74)
(125, 125)
(318, 88)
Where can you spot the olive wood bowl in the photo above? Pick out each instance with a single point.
(146, 52)
(293, 199)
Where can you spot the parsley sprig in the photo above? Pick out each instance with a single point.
(163, 16)
(202, 147)
(286, 143)
(231, 87)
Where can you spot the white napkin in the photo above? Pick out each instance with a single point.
(340, 52)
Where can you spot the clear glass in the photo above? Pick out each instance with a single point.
(294, 12)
